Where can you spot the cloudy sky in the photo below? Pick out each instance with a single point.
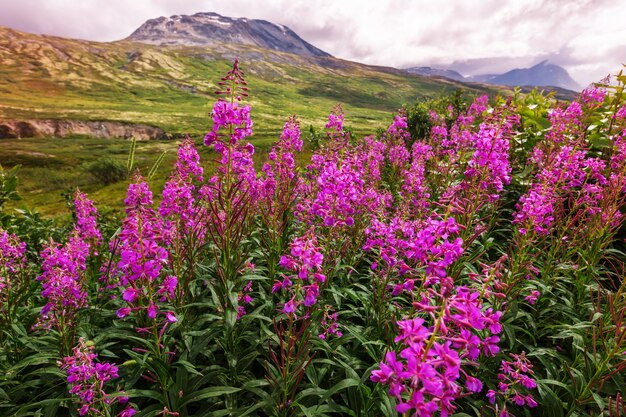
(587, 37)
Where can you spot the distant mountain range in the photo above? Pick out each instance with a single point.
(543, 74)
(212, 29)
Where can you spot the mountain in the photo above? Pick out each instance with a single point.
(211, 29)
(542, 74)
(481, 78)
(435, 72)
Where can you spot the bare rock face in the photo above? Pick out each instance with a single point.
(211, 29)
(61, 128)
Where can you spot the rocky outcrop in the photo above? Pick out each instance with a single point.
(211, 29)
(61, 128)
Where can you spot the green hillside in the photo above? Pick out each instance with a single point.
(43, 77)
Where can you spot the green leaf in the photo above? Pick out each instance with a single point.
(210, 392)
(188, 366)
(346, 383)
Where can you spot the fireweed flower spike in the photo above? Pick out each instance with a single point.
(184, 226)
(305, 263)
(87, 379)
(178, 205)
(232, 124)
(13, 279)
(434, 357)
(142, 256)
(231, 195)
(61, 279)
(278, 184)
(516, 380)
(86, 216)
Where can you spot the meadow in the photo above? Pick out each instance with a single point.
(467, 259)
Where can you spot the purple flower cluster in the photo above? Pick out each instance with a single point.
(231, 124)
(397, 138)
(434, 356)
(339, 191)
(491, 155)
(562, 167)
(62, 280)
(279, 173)
(516, 379)
(178, 207)
(86, 215)
(88, 378)
(566, 124)
(244, 298)
(142, 256)
(305, 261)
(415, 189)
(569, 182)
(414, 250)
(229, 115)
(535, 211)
(281, 164)
(12, 262)
(592, 97)
(335, 123)
(329, 325)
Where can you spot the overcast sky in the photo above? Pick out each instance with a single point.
(587, 37)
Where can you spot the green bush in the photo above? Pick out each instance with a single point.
(107, 171)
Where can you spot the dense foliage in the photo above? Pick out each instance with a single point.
(466, 261)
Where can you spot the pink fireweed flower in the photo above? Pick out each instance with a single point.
(305, 262)
(532, 297)
(566, 124)
(516, 379)
(397, 138)
(335, 121)
(188, 163)
(414, 185)
(279, 181)
(142, 255)
(405, 246)
(490, 160)
(12, 265)
(179, 208)
(435, 353)
(62, 281)
(329, 325)
(231, 124)
(244, 298)
(281, 168)
(86, 215)
(341, 187)
(535, 211)
(87, 379)
(226, 114)
(592, 97)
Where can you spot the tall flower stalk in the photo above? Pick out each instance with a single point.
(231, 193)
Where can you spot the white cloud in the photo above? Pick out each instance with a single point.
(585, 36)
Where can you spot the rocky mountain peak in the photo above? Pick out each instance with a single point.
(211, 29)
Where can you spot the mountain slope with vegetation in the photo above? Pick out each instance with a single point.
(45, 77)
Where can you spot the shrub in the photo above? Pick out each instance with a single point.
(107, 171)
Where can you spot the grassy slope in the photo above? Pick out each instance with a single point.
(172, 88)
